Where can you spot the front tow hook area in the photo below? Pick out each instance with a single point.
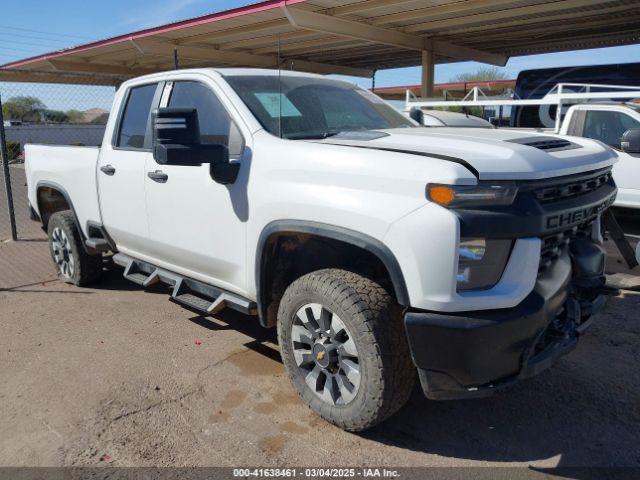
(588, 284)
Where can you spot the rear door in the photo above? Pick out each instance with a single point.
(121, 170)
(196, 225)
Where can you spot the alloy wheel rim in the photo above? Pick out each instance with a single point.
(62, 252)
(326, 354)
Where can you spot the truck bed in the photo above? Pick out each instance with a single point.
(70, 169)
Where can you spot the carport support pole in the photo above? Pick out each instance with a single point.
(426, 90)
(4, 158)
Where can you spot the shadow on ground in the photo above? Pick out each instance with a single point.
(231, 320)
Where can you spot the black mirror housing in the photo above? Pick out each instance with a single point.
(176, 139)
(631, 141)
(176, 126)
(416, 114)
(190, 155)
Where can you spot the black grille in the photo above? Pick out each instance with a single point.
(571, 187)
(555, 245)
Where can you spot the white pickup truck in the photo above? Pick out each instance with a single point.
(616, 125)
(377, 247)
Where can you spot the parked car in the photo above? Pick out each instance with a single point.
(444, 118)
(381, 250)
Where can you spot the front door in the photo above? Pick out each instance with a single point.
(608, 126)
(121, 170)
(197, 227)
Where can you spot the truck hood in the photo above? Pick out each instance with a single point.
(489, 154)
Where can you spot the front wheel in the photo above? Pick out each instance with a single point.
(74, 264)
(344, 348)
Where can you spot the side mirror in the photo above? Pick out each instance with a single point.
(176, 139)
(416, 114)
(631, 141)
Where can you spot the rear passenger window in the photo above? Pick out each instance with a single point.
(135, 118)
(216, 126)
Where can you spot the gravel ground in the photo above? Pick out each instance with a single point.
(120, 376)
(117, 375)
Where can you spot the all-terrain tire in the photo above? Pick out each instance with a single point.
(74, 264)
(374, 321)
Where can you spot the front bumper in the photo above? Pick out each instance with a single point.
(472, 354)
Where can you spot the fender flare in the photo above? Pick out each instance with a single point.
(65, 194)
(358, 239)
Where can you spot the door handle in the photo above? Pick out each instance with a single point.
(108, 170)
(158, 176)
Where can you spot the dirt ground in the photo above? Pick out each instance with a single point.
(121, 376)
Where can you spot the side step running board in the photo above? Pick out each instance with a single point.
(186, 291)
(97, 244)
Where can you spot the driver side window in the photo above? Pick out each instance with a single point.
(608, 127)
(216, 125)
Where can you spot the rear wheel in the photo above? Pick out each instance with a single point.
(344, 348)
(74, 264)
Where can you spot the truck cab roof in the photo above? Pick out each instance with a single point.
(585, 106)
(228, 72)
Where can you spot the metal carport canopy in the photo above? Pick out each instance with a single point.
(355, 37)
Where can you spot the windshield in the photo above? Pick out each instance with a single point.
(307, 107)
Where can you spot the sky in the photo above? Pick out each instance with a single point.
(58, 24)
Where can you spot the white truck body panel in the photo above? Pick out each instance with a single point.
(123, 199)
(71, 167)
(427, 251)
(492, 152)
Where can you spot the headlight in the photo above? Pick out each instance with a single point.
(481, 262)
(484, 193)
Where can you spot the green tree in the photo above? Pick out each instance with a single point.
(24, 108)
(55, 116)
(100, 119)
(482, 74)
(75, 116)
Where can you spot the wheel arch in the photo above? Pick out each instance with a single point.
(323, 231)
(60, 190)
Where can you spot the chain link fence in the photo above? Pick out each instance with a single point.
(50, 108)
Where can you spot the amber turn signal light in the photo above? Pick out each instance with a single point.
(467, 196)
(441, 194)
